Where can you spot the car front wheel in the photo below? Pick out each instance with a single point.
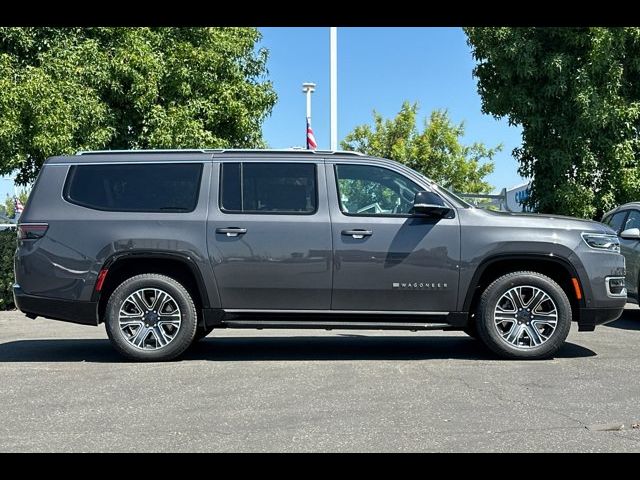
(151, 317)
(524, 315)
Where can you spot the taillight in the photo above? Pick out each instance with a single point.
(32, 231)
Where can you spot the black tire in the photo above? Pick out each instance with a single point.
(201, 333)
(188, 313)
(488, 331)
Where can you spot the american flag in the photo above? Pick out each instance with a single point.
(311, 139)
(18, 205)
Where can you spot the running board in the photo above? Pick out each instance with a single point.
(328, 325)
(338, 319)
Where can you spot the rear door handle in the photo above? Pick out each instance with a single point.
(231, 231)
(357, 233)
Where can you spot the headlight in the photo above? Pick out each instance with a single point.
(602, 241)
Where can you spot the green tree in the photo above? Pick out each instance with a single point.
(436, 151)
(69, 89)
(576, 94)
(9, 206)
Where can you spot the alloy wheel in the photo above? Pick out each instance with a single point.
(149, 318)
(525, 317)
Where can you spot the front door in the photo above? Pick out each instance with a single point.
(384, 258)
(269, 235)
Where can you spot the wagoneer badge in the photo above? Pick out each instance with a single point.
(419, 285)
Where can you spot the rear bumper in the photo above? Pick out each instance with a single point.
(84, 313)
(590, 317)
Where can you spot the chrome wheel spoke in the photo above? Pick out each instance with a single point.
(525, 317)
(139, 336)
(534, 335)
(170, 322)
(139, 301)
(551, 320)
(538, 297)
(159, 300)
(131, 322)
(505, 316)
(149, 318)
(515, 298)
(514, 333)
(160, 336)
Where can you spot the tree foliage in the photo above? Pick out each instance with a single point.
(576, 94)
(69, 89)
(436, 151)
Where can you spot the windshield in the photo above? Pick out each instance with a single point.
(452, 197)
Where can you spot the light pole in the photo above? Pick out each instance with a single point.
(333, 64)
(308, 88)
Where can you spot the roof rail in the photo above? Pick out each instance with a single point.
(223, 150)
(339, 152)
(284, 150)
(159, 150)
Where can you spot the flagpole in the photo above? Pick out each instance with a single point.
(308, 88)
(15, 201)
(333, 40)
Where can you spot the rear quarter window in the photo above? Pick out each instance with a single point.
(275, 188)
(154, 187)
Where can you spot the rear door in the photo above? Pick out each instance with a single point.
(269, 234)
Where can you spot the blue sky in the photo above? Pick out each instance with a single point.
(379, 68)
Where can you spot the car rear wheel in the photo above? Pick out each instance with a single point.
(524, 315)
(151, 317)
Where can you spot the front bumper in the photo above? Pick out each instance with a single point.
(590, 317)
(73, 311)
(596, 270)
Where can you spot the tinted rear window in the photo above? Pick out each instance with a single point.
(156, 187)
(268, 188)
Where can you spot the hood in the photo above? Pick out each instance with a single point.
(548, 221)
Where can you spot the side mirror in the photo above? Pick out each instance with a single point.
(429, 204)
(631, 234)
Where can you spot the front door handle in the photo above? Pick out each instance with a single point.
(357, 233)
(231, 231)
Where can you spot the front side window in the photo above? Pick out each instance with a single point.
(615, 221)
(277, 188)
(633, 220)
(371, 190)
(148, 187)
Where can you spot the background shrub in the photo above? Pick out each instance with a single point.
(8, 243)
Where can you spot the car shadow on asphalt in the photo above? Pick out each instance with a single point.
(290, 348)
(630, 320)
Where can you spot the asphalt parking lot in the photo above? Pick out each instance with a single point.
(62, 388)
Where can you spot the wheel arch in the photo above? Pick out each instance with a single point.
(559, 269)
(179, 266)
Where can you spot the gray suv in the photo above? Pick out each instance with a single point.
(165, 246)
(625, 221)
